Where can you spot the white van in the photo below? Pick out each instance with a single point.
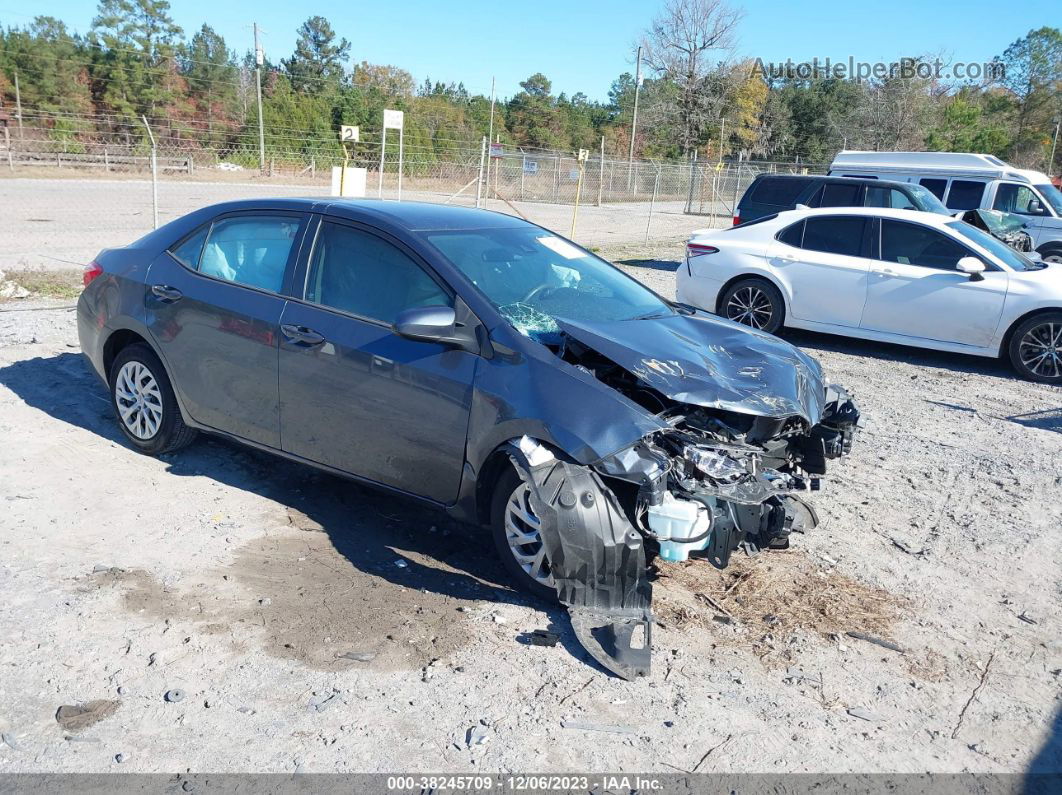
(970, 182)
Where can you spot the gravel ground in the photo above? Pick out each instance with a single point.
(241, 581)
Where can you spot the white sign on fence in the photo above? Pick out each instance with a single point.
(393, 119)
(497, 150)
(349, 133)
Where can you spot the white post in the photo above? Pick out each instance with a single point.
(154, 175)
(401, 132)
(383, 149)
(479, 182)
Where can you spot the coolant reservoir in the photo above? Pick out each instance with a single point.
(675, 522)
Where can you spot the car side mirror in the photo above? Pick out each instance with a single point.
(434, 324)
(1035, 208)
(972, 266)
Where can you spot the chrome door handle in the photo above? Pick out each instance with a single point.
(166, 294)
(301, 334)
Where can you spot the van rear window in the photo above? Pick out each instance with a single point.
(779, 191)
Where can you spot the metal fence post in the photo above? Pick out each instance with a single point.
(154, 174)
(601, 174)
(693, 174)
(479, 182)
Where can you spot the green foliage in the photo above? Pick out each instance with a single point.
(135, 61)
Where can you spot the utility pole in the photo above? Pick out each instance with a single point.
(634, 121)
(259, 59)
(18, 106)
(1050, 163)
(490, 134)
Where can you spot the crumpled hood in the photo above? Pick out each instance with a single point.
(711, 362)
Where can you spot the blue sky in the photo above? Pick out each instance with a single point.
(582, 45)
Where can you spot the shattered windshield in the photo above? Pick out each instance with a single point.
(533, 278)
(926, 201)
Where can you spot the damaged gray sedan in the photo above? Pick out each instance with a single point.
(482, 365)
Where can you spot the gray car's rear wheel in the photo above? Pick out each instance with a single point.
(144, 404)
(1036, 348)
(754, 302)
(515, 529)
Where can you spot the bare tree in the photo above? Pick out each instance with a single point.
(678, 45)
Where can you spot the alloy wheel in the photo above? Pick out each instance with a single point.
(522, 532)
(139, 400)
(750, 306)
(1040, 350)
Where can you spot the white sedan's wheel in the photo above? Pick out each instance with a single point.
(1036, 348)
(1040, 349)
(755, 303)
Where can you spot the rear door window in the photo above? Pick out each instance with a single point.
(792, 235)
(965, 194)
(834, 234)
(252, 250)
(934, 186)
(778, 191)
(839, 194)
(913, 244)
(190, 249)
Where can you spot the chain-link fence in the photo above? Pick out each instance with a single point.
(73, 190)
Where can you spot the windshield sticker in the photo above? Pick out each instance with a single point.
(562, 247)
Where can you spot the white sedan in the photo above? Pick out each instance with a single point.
(896, 276)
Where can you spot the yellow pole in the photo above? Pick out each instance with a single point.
(578, 192)
(343, 173)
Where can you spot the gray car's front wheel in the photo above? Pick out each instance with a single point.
(144, 404)
(515, 529)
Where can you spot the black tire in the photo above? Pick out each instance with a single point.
(1040, 334)
(759, 294)
(507, 484)
(1052, 255)
(171, 432)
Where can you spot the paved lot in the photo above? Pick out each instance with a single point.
(242, 581)
(56, 223)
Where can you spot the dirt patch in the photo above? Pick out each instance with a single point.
(296, 597)
(769, 603)
(315, 605)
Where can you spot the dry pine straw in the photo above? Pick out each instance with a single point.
(769, 598)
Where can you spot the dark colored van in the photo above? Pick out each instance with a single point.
(775, 193)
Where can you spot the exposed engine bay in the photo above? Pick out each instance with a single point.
(710, 482)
